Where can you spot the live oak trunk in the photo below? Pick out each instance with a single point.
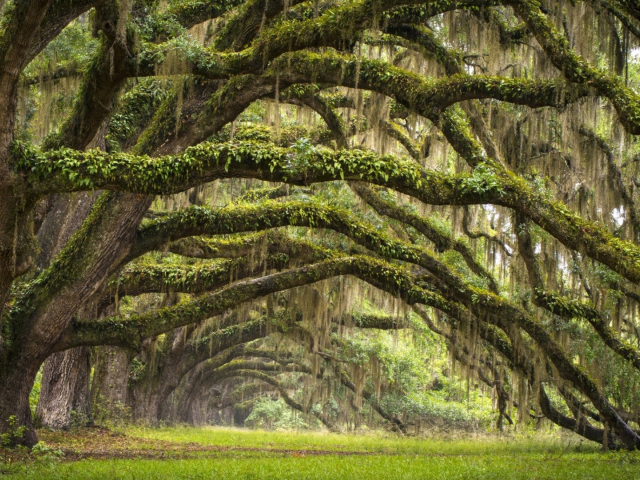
(109, 389)
(64, 394)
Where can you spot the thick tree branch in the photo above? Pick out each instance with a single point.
(72, 170)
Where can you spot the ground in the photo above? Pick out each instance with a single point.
(190, 453)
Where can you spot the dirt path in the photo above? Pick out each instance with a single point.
(100, 443)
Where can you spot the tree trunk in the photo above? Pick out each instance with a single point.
(195, 411)
(15, 413)
(109, 390)
(67, 213)
(65, 379)
(38, 335)
(64, 395)
(145, 404)
(191, 393)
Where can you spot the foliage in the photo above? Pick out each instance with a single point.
(273, 414)
(14, 432)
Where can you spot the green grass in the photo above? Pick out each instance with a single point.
(281, 455)
(373, 443)
(378, 467)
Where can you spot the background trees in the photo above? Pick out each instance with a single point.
(163, 165)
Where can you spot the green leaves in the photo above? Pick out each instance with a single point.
(484, 179)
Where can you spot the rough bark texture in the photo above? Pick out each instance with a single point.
(64, 394)
(109, 388)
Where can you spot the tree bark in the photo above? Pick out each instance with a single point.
(64, 395)
(17, 382)
(109, 389)
(65, 379)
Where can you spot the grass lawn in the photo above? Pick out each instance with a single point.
(189, 453)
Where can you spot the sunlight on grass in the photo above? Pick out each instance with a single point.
(378, 443)
(248, 454)
(331, 467)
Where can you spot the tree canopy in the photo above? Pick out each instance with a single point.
(232, 190)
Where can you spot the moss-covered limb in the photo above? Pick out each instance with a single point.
(69, 170)
(509, 35)
(136, 108)
(466, 228)
(67, 71)
(577, 407)
(59, 14)
(629, 6)
(181, 16)
(427, 43)
(217, 110)
(95, 101)
(620, 12)
(270, 242)
(270, 214)
(243, 27)
(568, 308)
(422, 13)
(581, 426)
(337, 27)
(140, 279)
(322, 107)
(284, 393)
(90, 257)
(273, 193)
(375, 321)
(442, 240)
(20, 22)
(339, 100)
(370, 398)
(209, 343)
(283, 358)
(330, 30)
(429, 98)
(304, 214)
(505, 315)
(575, 68)
(173, 117)
(133, 330)
(615, 174)
(160, 126)
(261, 365)
(526, 250)
(270, 163)
(395, 131)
